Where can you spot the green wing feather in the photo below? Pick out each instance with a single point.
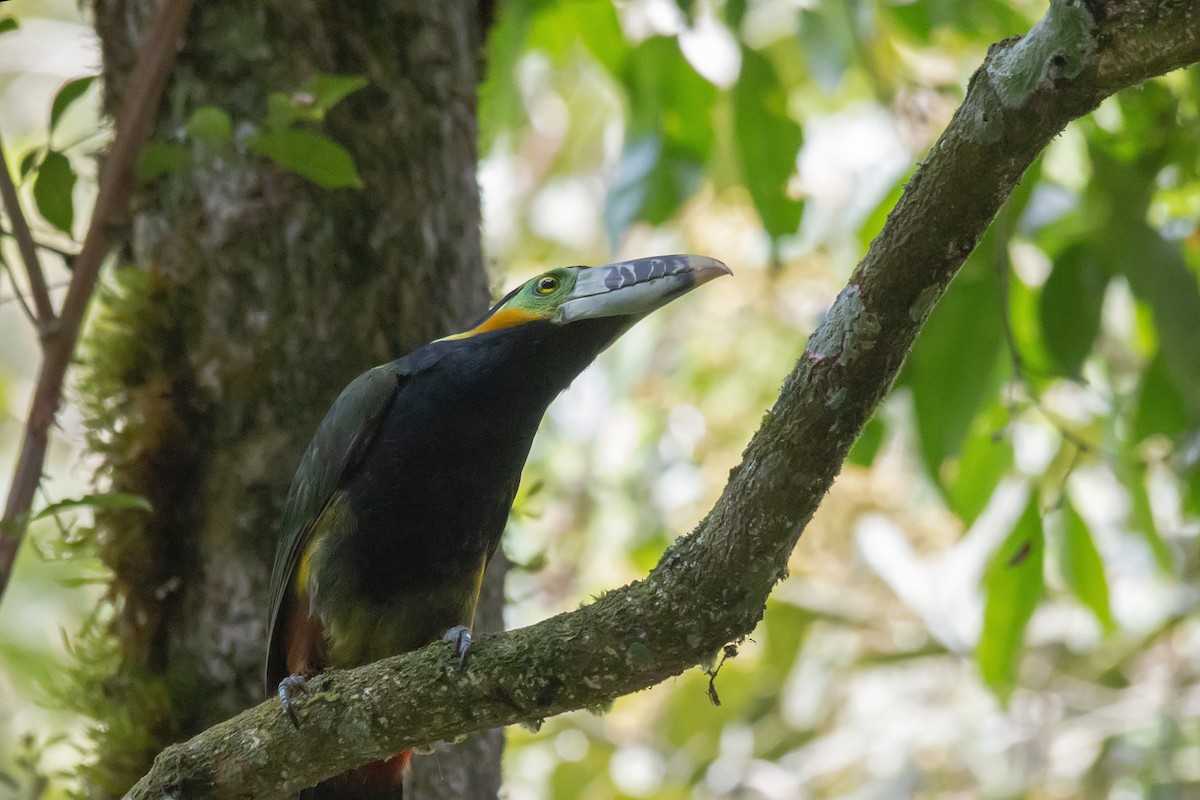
(336, 449)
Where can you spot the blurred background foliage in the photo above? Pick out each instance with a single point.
(998, 597)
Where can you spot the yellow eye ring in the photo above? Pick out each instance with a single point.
(546, 284)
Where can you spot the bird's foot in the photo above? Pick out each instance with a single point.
(289, 687)
(460, 637)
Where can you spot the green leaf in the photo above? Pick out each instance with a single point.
(986, 458)
(630, 183)
(1082, 567)
(311, 102)
(827, 43)
(282, 111)
(31, 667)
(70, 92)
(1190, 486)
(1141, 517)
(669, 140)
(1164, 282)
(8, 24)
(90, 580)
(1013, 588)
(559, 28)
(785, 627)
(869, 441)
(912, 19)
(1124, 167)
(675, 178)
(52, 190)
(111, 501)
(982, 19)
(649, 183)
(1025, 326)
(209, 124)
(958, 362)
(323, 92)
(310, 155)
(1070, 307)
(160, 158)
(667, 96)
(1160, 407)
(29, 163)
(767, 142)
(735, 12)
(500, 102)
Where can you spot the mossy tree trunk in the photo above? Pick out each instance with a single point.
(246, 300)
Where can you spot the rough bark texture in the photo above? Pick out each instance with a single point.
(247, 299)
(710, 586)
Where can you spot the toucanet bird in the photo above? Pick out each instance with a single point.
(400, 500)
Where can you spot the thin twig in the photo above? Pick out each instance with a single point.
(78, 140)
(67, 255)
(155, 59)
(20, 298)
(27, 247)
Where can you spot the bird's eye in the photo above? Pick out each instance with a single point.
(546, 284)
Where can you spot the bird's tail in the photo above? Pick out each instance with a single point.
(379, 780)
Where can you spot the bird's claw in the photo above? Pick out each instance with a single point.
(460, 637)
(289, 687)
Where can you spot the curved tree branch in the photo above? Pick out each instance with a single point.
(710, 586)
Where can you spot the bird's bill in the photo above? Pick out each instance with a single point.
(635, 288)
